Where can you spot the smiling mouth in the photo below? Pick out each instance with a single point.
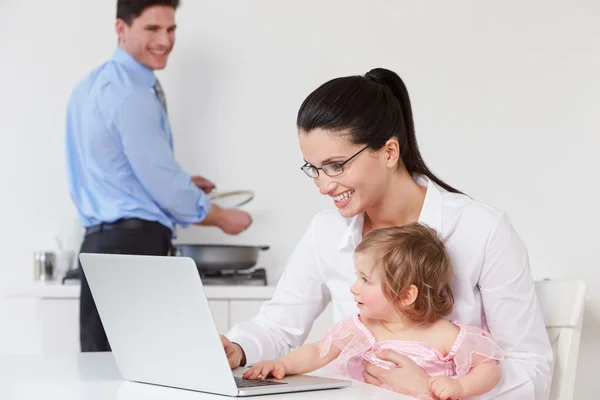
(159, 53)
(343, 196)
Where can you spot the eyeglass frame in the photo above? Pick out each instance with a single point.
(307, 164)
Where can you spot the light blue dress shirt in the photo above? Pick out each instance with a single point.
(119, 148)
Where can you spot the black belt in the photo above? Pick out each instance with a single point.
(125, 223)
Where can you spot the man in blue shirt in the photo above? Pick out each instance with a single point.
(129, 190)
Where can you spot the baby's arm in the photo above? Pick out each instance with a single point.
(304, 359)
(480, 379)
(308, 358)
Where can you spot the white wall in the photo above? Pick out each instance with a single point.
(506, 100)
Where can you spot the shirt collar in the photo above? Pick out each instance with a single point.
(353, 233)
(431, 214)
(145, 73)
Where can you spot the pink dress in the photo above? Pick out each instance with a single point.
(472, 347)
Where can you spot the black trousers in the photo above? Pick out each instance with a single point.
(151, 239)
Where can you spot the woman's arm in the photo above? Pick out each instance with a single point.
(284, 321)
(514, 317)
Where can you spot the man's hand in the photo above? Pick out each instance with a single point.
(229, 220)
(234, 221)
(203, 183)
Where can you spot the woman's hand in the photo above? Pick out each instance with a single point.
(264, 368)
(235, 354)
(407, 378)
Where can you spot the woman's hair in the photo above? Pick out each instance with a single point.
(372, 108)
(412, 255)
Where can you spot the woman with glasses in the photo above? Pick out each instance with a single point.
(358, 140)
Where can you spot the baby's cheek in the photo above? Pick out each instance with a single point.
(373, 300)
(365, 298)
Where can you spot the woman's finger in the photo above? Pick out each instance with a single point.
(443, 394)
(395, 357)
(371, 368)
(370, 379)
(432, 384)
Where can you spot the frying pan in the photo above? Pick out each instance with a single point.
(220, 256)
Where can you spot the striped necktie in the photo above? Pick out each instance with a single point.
(161, 95)
(163, 102)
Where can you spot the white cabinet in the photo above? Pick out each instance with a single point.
(241, 310)
(57, 313)
(220, 313)
(59, 323)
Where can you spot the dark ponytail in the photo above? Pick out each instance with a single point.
(373, 108)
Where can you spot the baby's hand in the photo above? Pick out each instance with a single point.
(264, 368)
(445, 388)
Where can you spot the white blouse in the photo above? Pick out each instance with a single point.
(492, 285)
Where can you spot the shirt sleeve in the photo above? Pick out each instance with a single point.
(284, 321)
(514, 317)
(146, 145)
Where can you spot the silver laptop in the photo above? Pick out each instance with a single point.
(161, 331)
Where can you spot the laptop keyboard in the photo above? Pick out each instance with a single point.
(244, 383)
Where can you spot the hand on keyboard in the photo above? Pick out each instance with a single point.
(262, 370)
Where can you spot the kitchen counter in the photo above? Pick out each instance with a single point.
(55, 290)
(53, 312)
(94, 376)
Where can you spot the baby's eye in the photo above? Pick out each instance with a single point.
(364, 279)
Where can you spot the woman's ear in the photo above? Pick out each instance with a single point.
(392, 152)
(410, 296)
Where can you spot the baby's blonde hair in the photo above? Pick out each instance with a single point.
(407, 255)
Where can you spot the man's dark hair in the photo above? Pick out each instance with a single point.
(128, 10)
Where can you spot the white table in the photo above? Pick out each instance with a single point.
(94, 376)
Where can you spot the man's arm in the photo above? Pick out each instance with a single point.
(139, 124)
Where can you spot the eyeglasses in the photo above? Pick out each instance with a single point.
(332, 169)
